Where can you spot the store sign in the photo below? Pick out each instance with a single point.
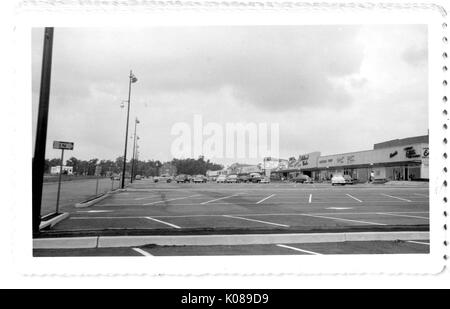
(410, 152)
(393, 154)
(340, 160)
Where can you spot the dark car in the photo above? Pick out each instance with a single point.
(182, 178)
(243, 178)
(349, 180)
(302, 179)
(256, 178)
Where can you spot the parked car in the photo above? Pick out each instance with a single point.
(232, 179)
(302, 179)
(137, 177)
(349, 180)
(265, 179)
(337, 180)
(165, 178)
(221, 179)
(182, 178)
(199, 179)
(243, 178)
(255, 177)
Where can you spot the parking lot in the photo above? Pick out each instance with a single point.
(148, 208)
(242, 208)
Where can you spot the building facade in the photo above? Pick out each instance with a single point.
(67, 170)
(400, 159)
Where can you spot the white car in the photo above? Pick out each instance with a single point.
(221, 178)
(265, 179)
(338, 180)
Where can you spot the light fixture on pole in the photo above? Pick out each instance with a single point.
(136, 121)
(132, 79)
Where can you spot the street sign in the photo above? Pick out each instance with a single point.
(62, 145)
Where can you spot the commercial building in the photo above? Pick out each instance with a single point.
(67, 170)
(399, 159)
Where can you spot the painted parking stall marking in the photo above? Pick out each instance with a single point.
(219, 199)
(298, 249)
(396, 197)
(310, 198)
(398, 215)
(351, 196)
(163, 222)
(264, 199)
(169, 200)
(349, 220)
(143, 252)
(254, 220)
(418, 242)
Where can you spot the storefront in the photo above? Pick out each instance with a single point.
(402, 159)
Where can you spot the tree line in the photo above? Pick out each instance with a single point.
(145, 168)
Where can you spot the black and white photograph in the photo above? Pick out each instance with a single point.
(257, 140)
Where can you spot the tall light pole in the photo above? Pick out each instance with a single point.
(136, 121)
(133, 79)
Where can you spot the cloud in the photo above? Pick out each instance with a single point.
(331, 88)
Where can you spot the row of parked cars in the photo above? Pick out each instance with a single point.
(183, 178)
(253, 178)
(337, 179)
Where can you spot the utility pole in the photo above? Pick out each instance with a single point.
(41, 130)
(133, 79)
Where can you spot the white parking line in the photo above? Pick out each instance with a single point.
(354, 198)
(310, 198)
(397, 215)
(143, 252)
(399, 198)
(173, 199)
(419, 242)
(357, 221)
(163, 222)
(265, 199)
(420, 194)
(300, 250)
(271, 223)
(218, 199)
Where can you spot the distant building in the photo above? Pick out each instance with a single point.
(67, 170)
(216, 173)
(238, 168)
(168, 169)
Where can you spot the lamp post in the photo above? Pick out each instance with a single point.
(133, 79)
(136, 121)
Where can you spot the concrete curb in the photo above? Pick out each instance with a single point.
(52, 222)
(216, 240)
(65, 243)
(93, 201)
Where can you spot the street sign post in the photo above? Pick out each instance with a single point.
(63, 146)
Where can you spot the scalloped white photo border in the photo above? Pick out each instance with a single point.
(87, 13)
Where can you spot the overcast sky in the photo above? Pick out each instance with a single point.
(332, 89)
